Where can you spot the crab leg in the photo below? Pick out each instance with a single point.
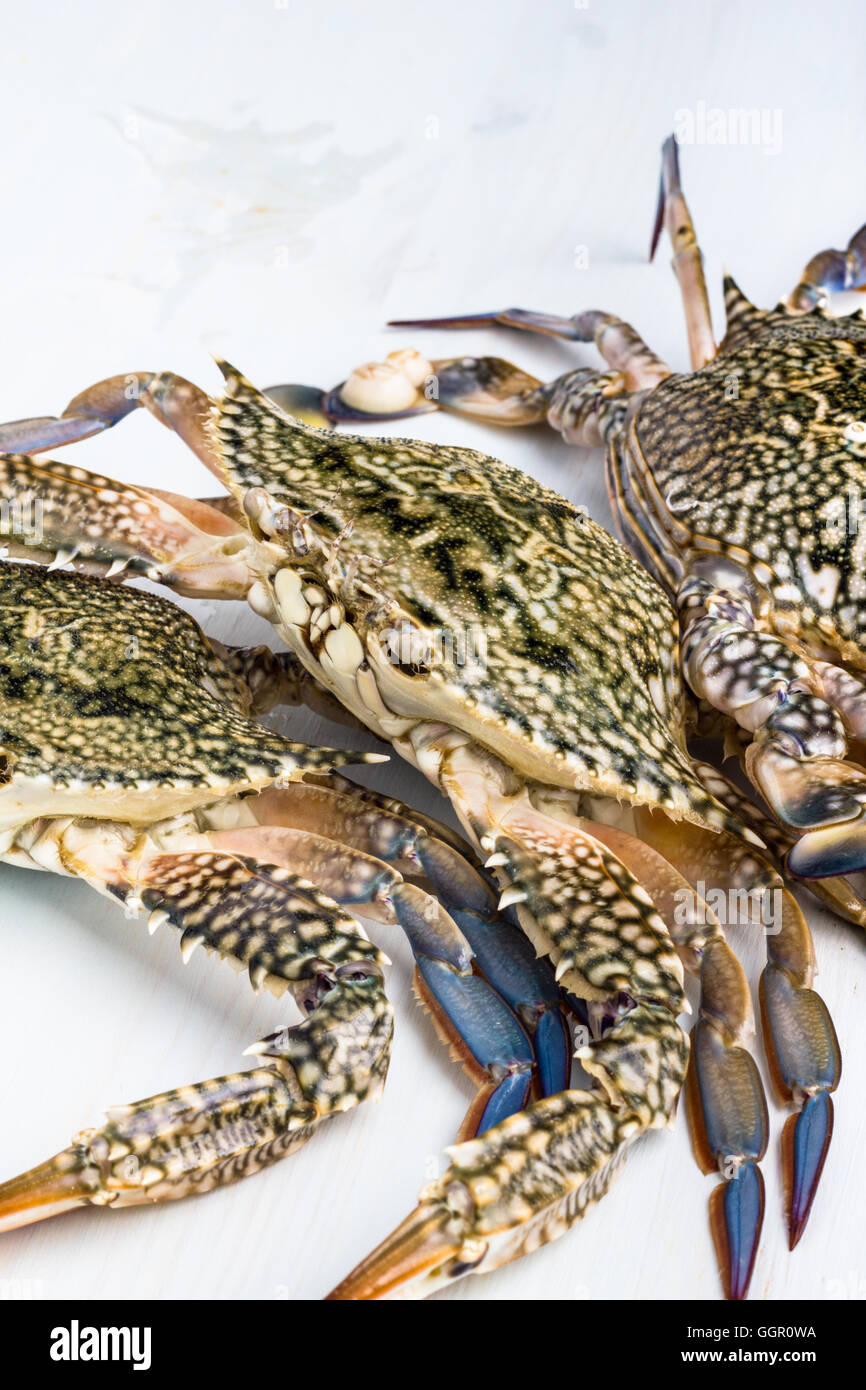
(359, 856)
(218, 890)
(175, 402)
(797, 756)
(621, 346)
(495, 390)
(799, 1036)
(99, 524)
(803, 1051)
(673, 214)
(526, 1180)
(287, 935)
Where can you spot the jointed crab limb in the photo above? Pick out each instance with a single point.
(505, 1021)
(622, 348)
(673, 214)
(804, 1055)
(175, 402)
(797, 759)
(526, 1180)
(97, 523)
(799, 1037)
(581, 404)
(287, 935)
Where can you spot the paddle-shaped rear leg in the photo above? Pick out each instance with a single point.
(727, 1107)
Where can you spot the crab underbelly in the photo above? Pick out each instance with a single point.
(22, 801)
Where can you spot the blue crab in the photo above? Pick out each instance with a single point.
(131, 759)
(562, 748)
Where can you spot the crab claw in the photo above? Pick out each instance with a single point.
(395, 389)
(798, 763)
(824, 798)
(62, 1182)
(423, 1254)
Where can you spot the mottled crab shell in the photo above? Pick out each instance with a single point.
(576, 680)
(114, 704)
(761, 455)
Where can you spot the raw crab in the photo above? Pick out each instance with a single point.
(516, 654)
(738, 486)
(131, 760)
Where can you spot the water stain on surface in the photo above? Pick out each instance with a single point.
(236, 189)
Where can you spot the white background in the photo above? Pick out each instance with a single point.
(273, 182)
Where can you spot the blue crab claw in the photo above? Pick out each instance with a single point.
(822, 798)
(805, 1062)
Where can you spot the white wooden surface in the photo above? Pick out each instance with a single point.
(273, 181)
